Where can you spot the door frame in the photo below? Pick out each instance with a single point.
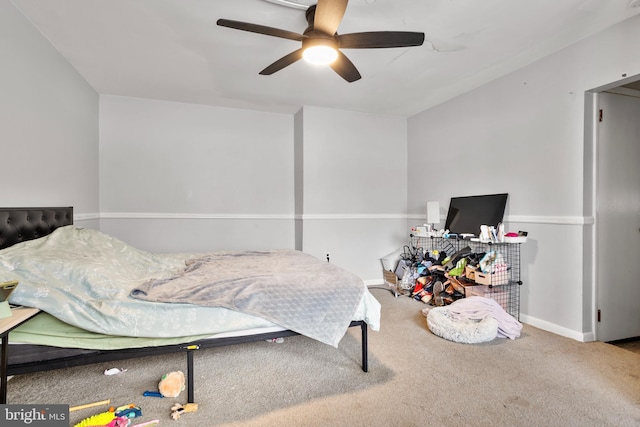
(589, 206)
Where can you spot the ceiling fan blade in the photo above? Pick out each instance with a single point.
(345, 68)
(328, 15)
(260, 29)
(380, 39)
(282, 62)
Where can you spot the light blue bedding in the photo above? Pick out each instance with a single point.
(84, 277)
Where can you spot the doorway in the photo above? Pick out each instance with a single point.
(615, 187)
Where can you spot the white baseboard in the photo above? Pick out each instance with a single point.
(557, 329)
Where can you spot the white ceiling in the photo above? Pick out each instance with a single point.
(173, 50)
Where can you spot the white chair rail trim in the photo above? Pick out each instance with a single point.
(526, 219)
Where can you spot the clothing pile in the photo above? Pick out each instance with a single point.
(436, 278)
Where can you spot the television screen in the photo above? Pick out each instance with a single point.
(467, 214)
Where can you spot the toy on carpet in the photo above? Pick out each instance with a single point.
(118, 422)
(89, 405)
(147, 424)
(104, 419)
(171, 384)
(150, 393)
(128, 411)
(179, 409)
(114, 417)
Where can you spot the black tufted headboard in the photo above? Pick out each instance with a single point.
(20, 224)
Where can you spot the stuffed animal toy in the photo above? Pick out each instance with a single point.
(171, 384)
(178, 409)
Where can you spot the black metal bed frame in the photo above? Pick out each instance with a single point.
(21, 224)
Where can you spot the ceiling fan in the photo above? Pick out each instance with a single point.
(321, 43)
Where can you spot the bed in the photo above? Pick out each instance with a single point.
(104, 300)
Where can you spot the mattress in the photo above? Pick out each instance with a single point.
(82, 280)
(47, 330)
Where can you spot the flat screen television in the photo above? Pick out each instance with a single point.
(467, 214)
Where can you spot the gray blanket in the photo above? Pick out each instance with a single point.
(289, 288)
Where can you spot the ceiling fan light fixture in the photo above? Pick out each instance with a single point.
(320, 55)
(320, 50)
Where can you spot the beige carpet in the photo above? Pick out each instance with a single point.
(415, 379)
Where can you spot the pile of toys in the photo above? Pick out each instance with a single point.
(114, 417)
(170, 385)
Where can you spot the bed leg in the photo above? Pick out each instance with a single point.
(365, 352)
(190, 397)
(3, 369)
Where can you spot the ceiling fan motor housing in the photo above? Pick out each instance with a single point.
(317, 38)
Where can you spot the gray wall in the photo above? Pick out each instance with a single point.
(524, 134)
(48, 124)
(184, 177)
(354, 187)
